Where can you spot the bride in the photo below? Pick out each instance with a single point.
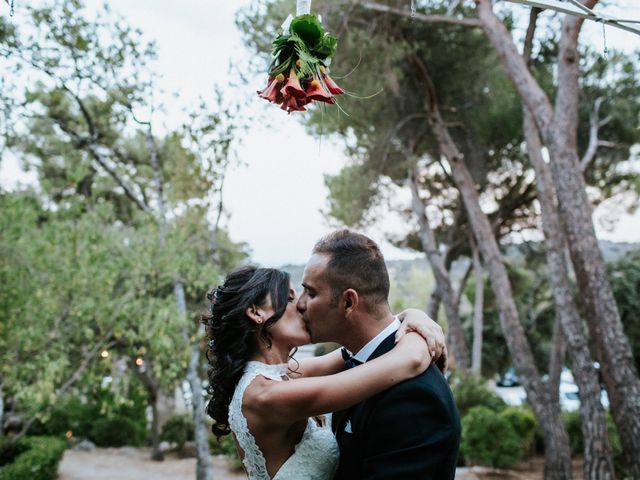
(273, 404)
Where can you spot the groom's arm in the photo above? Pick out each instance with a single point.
(412, 433)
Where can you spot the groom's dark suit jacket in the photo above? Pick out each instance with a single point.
(410, 431)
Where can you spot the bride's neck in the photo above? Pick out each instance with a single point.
(273, 355)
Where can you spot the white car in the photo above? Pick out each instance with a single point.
(569, 393)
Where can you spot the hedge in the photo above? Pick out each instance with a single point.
(489, 439)
(38, 461)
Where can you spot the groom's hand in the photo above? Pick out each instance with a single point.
(414, 320)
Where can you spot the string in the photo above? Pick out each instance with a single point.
(605, 52)
(11, 9)
(413, 8)
(303, 7)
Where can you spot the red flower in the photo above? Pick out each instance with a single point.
(270, 91)
(293, 104)
(317, 92)
(332, 86)
(292, 87)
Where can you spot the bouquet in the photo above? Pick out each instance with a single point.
(299, 72)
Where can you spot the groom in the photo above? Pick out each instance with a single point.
(410, 431)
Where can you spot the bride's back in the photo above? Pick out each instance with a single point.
(300, 450)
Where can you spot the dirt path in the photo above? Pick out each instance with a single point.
(134, 464)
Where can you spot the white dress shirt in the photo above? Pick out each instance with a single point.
(365, 352)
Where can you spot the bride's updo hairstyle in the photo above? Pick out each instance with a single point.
(232, 334)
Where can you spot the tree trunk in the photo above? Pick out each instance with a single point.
(597, 451)
(1, 410)
(558, 131)
(151, 386)
(478, 314)
(445, 290)
(556, 360)
(557, 453)
(204, 468)
(156, 454)
(433, 306)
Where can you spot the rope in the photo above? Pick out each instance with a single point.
(573, 7)
(303, 7)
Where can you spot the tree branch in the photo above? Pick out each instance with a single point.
(420, 17)
(594, 126)
(87, 360)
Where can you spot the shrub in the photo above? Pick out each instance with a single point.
(69, 414)
(118, 431)
(179, 430)
(573, 424)
(470, 391)
(324, 348)
(226, 446)
(104, 418)
(525, 424)
(489, 439)
(38, 460)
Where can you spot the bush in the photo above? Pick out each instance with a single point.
(179, 430)
(324, 348)
(38, 460)
(69, 414)
(471, 391)
(525, 424)
(573, 424)
(118, 431)
(225, 446)
(489, 439)
(104, 418)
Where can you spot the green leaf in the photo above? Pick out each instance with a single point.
(326, 48)
(309, 28)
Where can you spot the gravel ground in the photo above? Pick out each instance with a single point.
(134, 464)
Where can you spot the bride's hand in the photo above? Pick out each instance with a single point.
(414, 320)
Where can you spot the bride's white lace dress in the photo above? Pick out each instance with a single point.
(315, 456)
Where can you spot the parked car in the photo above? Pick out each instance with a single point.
(509, 378)
(570, 395)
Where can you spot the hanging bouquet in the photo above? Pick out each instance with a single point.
(299, 72)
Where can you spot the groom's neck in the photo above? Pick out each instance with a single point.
(365, 328)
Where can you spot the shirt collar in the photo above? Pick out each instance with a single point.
(366, 351)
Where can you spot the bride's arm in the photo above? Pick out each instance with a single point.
(286, 402)
(413, 320)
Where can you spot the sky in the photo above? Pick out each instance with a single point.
(276, 197)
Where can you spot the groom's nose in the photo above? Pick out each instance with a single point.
(301, 305)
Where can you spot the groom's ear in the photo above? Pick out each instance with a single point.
(351, 301)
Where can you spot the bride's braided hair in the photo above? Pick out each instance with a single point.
(231, 333)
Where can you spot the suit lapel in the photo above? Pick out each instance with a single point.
(339, 419)
(386, 345)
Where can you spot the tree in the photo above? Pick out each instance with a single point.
(89, 131)
(481, 149)
(558, 126)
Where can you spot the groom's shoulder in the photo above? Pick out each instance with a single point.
(430, 381)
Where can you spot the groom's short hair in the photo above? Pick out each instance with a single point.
(355, 261)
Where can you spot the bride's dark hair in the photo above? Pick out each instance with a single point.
(232, 334)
